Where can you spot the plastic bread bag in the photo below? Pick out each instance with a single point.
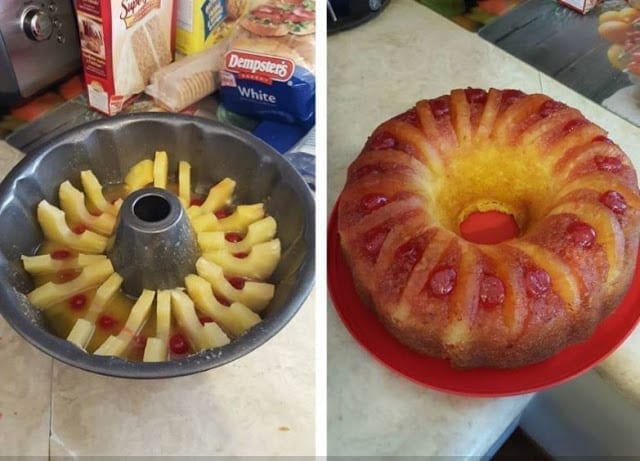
(269, 69)
(188, 80)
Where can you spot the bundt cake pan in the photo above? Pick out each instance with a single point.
(110, 147)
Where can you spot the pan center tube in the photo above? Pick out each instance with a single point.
(154, 245)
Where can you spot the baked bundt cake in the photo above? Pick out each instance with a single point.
(572, 192)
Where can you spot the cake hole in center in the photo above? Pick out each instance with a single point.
(151, 208)
(489, 227)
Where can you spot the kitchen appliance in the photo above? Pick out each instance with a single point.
(39, 45)
(110, 147)
(345, 14)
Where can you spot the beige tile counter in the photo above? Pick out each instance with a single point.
(260, 404)
(376, 71)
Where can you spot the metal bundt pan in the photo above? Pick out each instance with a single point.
(110, 147)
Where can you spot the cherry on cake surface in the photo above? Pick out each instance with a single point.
(608, 163)
(442, 281)
(537, 282)
(582, 234)
(614, 201)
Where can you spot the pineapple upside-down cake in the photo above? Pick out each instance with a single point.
(572, 192)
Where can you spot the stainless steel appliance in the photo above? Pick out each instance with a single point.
(38, 46)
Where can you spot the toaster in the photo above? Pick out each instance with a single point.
(39, 45)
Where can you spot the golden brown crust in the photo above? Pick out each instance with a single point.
(399, 211)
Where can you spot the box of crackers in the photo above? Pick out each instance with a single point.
(123, 42)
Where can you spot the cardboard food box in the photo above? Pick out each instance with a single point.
(581, 6)
(203, 23)
(123, 42)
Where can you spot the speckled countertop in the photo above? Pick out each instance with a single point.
(261, 404)
(376, 71)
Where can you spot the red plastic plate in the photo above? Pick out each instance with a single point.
(435, 373)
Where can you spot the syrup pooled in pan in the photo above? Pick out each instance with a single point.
(81, 295)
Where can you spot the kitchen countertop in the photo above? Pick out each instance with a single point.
(376, 71)
(260, 404)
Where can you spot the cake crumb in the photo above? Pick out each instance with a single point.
(284, 429)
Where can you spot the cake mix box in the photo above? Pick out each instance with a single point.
(123, 42)
(581, 6)
(269, 69)
(199, 24)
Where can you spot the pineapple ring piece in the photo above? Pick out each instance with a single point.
(200, 338)
(51, 293)
(139, 175)
(83, 329)
(117, 345)
(93, 189)
(254, 295)
(72, 203)
(55, 228)
(235, 319)
(405, 211)
(46, 264)
(257, 232)
(259, 264)
(238, 221)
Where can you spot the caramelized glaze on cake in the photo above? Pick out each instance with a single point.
(572, 191)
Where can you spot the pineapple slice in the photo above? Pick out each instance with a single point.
(155, 350)
(202, 222)
(81, 333)
(259, 264)
(184, 183)
(602, 182)
(113, 346)
(238, 221)
(45, 264)
(55, 228)
(83, 330)
(219, 196)
(214, 336)
(193, 211)
(562, 279)
(93, 189)
(117, 345)
(138, 316)
(160, 170)
(51, 293)
(139, 175)
(254, 295)
(103, 295)
(72, 203)
(163, 315)
(185, 314)
(608, 231)
(258, 232)
(235, 319)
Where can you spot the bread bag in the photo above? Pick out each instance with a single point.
(269, 71)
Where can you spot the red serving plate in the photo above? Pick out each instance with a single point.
(438, 374)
